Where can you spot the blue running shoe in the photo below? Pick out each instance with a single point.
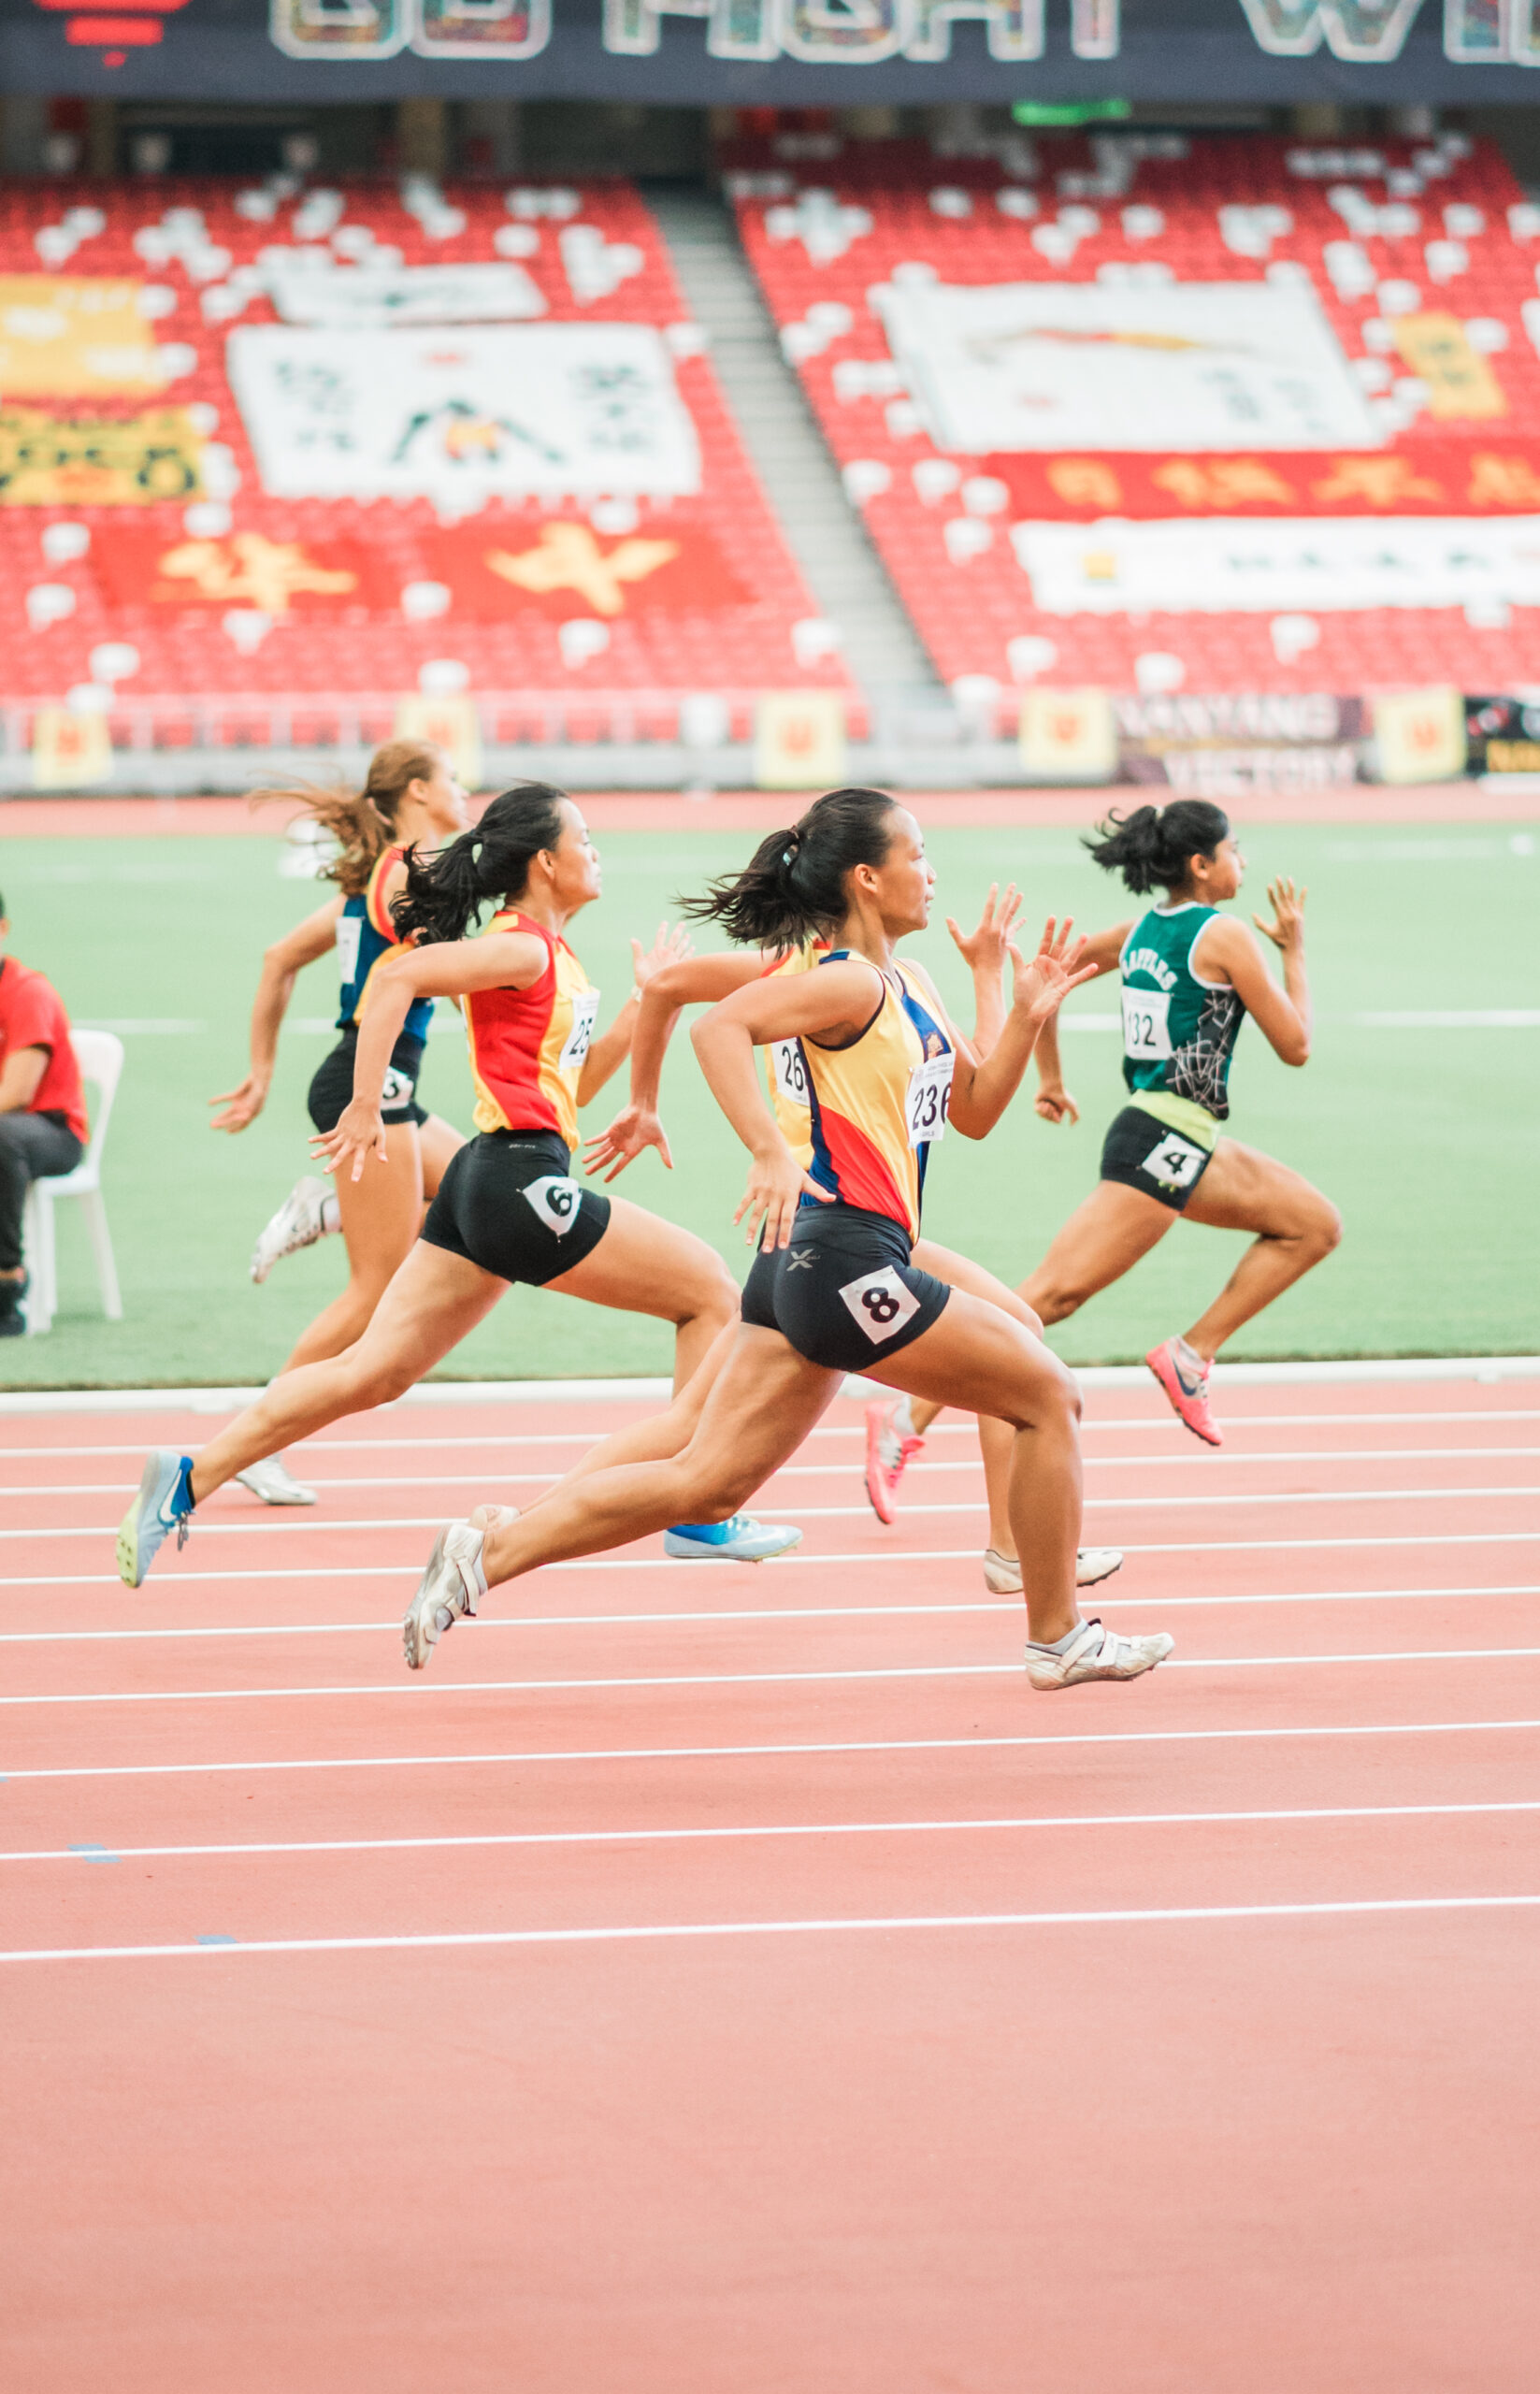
(740, 1540)
(163, 1504)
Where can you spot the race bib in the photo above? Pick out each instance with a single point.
(790, 1067)
(928, 1098)
(348, 932)
(581, 1037)
(1146, 1025)
(396, 1089)
(880, 1303)
(1175, 1162)
(557, 1200)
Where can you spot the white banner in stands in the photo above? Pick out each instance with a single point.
(1088, 366)
(365, 296)
(547, 411)
(1323, 564)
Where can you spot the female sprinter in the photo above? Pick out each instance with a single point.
(408, 796)
(834, 1288)
(1190, 976)
(506, 1208)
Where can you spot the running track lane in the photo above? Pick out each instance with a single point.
(1119, 2088)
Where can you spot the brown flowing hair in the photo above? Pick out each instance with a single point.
(362, 822)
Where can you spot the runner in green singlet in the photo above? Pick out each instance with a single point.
(1190, 975)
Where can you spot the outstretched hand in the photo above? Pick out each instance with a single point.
(634, 1128)
(668, 947)
(1286, 929)
(986, 948)
(1041, 985)
(241, 1104)
(359, 1133)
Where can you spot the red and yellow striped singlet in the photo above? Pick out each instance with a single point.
(527, 1045)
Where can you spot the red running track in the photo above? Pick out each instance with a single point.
(737, 1980)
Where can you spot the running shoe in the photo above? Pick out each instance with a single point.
(740, 1540)
(1002, 1572)
(272, 1480)
(299, 1222)
(1095, 1653)
(1187, 1391)
(451, 1587)
(889, 1455)
(163, 1504)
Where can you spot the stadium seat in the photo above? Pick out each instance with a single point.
(100, 1057)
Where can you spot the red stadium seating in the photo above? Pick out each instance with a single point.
(89, 579)
(1405, 229)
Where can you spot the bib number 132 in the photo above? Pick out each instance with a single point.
(1146, 1025)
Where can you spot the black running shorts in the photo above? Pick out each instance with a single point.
(508, 1202)
(844, 1292)
(332, 1087)
(1146, 1154)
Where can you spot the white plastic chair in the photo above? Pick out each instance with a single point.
(100, 1057)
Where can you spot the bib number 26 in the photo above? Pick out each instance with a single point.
(880, 1303)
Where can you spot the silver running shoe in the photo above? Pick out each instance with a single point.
(451, 1587)
(272, 1480)
(1002, 1572)
(1095, 1654)
(299, 1222)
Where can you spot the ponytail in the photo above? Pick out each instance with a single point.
(1153, 847)
(362, 823)
(794, 883)
(446, 891)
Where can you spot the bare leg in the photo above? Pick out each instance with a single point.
(1102, 1239)
(382, 1214)
(996, 1438)
(439, 1142)
(1296, 1227)
(430, 1304)
(643, 1265)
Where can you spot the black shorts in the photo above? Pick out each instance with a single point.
(332, 1087)
(508, 1202)
(1147, 1155)
(844, 1292)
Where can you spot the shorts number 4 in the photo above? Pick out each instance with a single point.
(879, 1302)
(1175, 1162)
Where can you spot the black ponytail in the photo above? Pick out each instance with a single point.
(794, 883)
(445, 891)
(1152, 847)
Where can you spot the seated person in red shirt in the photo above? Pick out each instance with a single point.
(42, 1111)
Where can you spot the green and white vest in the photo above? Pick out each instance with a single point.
(1178, 1030)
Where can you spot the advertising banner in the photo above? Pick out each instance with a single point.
(70, 751)
(98, 461)
(1420, 736)
(364, 299)
(562, 567)
(76, 336)
(450, 723)
(1323, 566)
(240, 570)
(1448, 477)
(1234, 744)
(800, 740)
(1502, 735)
(1068, 736)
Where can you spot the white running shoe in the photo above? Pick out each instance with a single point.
(272, 1480)
(743, 1539)
(451, 1587)
(1002, 1572)
(1095, 1653)
(299, 1222)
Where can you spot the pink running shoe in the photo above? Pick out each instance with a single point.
(888, 1456)
(1187, 1391)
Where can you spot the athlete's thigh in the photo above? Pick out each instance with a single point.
(643, 1265)
(383, 1209)
(1103, 1238)
(432, 1302)
(977, 1357)
(438, 1141)
(1243, 1190)
(961, 1272)
(761, 1406)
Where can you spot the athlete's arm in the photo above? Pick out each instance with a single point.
(985, 951)
(610, 1051)
(20, 1077)
(1232, 953)
(982, 1090)
(1054, 1102)
(695, 980)
(280, 965)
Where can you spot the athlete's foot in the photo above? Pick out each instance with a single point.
(1091, 1651)
(740, 1540)
(891, 1447)
(272, 1480)
(450, 1588)
(309, 1212)
(13, 1290)
(1002, 1572)
(1184, 1375)
(163, 1504)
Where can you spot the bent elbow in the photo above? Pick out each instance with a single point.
(1299, 1054)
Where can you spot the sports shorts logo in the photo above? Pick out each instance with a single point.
(396, 1089)
(557, 1200)
(1176, 1163)
(880, 1303)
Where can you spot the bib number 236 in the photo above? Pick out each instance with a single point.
(928, 1098)
(880, 1303)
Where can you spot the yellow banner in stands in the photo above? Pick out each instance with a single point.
(75, 337)
(1067, 735)
(1420, 736)
(800, 740)
(1460, 382)
(50, 460)
(452, 724)
(70, 751)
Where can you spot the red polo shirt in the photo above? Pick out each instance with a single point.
(32, 1015)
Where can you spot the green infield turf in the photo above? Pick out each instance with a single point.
(1426, 1132)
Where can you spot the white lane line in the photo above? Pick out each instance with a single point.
(417, 1687)
(772, 1829)
(723, 1753)
(889, 1924)
(211, 1525)
(754, 1613)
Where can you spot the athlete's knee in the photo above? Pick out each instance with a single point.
(1319, 1229)
(712, 1491)
(711, 1293)
(375, 1378)
(1052, 1297)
